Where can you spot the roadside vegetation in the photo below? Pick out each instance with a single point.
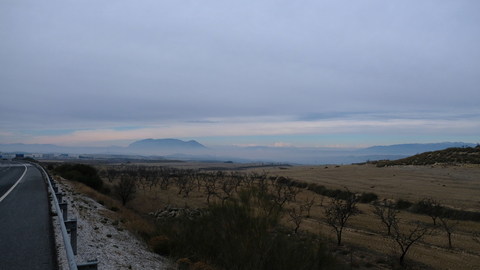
(220, 219)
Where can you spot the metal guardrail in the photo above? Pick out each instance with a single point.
(70, 242)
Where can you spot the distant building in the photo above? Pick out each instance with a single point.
(34, 155)
(19, 155)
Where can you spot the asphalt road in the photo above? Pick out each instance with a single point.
(26, 232)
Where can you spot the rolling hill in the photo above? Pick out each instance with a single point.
(453, 155)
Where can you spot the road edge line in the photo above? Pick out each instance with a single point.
(14, 185)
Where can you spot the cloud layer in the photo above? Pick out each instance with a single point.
(80, 72)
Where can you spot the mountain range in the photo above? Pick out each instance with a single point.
(193, 150)
(149, 144)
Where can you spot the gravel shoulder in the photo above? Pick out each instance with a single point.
(102, 238)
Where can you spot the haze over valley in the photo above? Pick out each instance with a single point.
(193, 150)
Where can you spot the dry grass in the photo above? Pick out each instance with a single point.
(452, 186)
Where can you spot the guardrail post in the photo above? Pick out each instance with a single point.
(72, 226)
(59, 196)
(68, 225)
(89, 265)
(64, 208)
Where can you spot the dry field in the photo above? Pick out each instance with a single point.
(364, 241)
(457, 187)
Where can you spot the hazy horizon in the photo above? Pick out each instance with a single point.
(339, 74)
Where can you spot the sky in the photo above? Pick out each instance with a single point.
(275, 73)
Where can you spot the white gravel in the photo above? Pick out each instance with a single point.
(99, 239)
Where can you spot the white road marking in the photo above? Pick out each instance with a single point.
(10, 190)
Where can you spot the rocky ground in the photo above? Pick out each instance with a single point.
(102, 238)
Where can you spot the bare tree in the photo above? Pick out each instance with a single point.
(165, 178)
(296, 217)
(294, 192)
(227, 187)
(111, 173)
(405, 240)
(179, 180)
(476, 238)
(154, 178)
(210, 186)
(338, 213)
(132, 172)
(184, 182)
(387, 214)
(146, 176)
(125, 190)
(189, 182)
(432, 208)
(198, 178)
(307, 206)
(281, 193)
(249, 179)
(322, 198)
(261, 181)
(448, 226)
(238, 179)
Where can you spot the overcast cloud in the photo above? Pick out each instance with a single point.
(84, 72)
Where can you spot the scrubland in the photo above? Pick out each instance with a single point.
(364, 240)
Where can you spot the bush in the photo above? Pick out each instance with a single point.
(184, 264)
(243, 233)
(106, 190)
(283, 180)
(201, 266)
(160, 245)
(334, 193)
(403, 204)
(301, 184)
(317, 188)
(82, 173)
(368, 197)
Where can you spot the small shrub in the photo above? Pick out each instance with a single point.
(334, 193)
(403, 204)
(160, 245)
(283, 180)
(302, 185)
(82, 173)
(368, 197)
(106, 190)
(381, 260)
(344, 194)
(244, 233)
(315, 188)
(184, 264)
(201, 266)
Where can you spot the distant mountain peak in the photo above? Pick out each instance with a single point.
(413, 148)
(166, 144)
